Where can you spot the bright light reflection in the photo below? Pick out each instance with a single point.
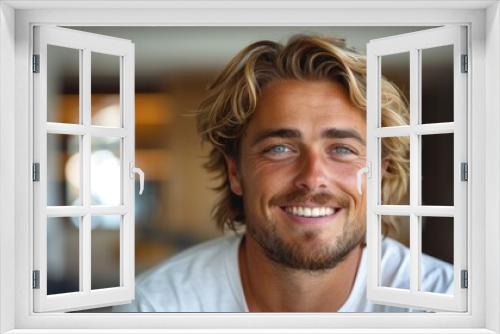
(105, 182)
(108, 116)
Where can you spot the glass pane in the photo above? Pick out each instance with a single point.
(437, 84)
(395, 69)
(437, 258)
(63, 84)
(63, 255)
(105, 171)
(395, 171)
(395, 253)
(63, 170)
(105, 251)
(437, 169)
(105, 90)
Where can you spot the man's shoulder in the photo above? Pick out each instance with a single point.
(196, 279)
(205, 257)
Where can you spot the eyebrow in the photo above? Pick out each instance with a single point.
(277, 133)
(343, 133)
(332, 133)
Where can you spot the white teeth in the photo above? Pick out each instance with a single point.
(315, 212)
(310, 212)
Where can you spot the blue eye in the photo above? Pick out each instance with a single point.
(343, 150)
(277, 149)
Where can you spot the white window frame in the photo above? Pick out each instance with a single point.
(412, 44)
(84, 44)
(16, 20)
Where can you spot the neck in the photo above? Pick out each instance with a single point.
(269, 287)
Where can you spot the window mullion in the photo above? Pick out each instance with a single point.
(65, 129)
(66, 211)
(421, 210)
(415, 158)
(419, 129)
(85, 242)
(435, 128)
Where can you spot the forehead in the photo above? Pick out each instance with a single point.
(306, 103)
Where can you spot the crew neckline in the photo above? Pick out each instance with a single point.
(235, 280)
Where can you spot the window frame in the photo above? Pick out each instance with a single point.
(85, 44)
(414, 44)
(18, 17)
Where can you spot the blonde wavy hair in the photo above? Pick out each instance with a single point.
(232, 98)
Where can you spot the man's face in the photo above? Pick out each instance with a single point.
(297, 174)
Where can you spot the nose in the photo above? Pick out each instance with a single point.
(313, 173)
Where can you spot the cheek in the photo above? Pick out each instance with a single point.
(270, 174)
(264, 181)
(261, 182)
(345, 179)
(345, 175)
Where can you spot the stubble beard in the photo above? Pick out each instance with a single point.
(298, 257)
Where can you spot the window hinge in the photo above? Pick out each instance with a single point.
(464, 174)
(465, 64)
(36, 63)
(36, 279)
(464, 279)
(36, 172)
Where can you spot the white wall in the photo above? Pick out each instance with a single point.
(6, 167)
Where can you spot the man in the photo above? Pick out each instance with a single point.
(287, 125)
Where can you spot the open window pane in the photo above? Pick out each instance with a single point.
(63, 170)
(437, 84)
(63, 254)
(437, 169)
(437, 247)
(395, 171)
(395, 268)
(105, 171)
(436, 152)
(80, 165)
(105, 90)
(106, 251)
(63, 81)
(395, 69)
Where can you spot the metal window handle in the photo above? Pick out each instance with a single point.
(136, 170)
(359, 176)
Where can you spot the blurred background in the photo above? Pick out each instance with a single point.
(174, 65)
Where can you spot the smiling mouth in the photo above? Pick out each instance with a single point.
(310, 212)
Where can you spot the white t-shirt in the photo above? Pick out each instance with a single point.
(206, 278)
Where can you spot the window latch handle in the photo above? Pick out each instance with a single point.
(136, 170)
(359, 176)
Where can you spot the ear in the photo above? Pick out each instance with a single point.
(234, 175)
(385, 165)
